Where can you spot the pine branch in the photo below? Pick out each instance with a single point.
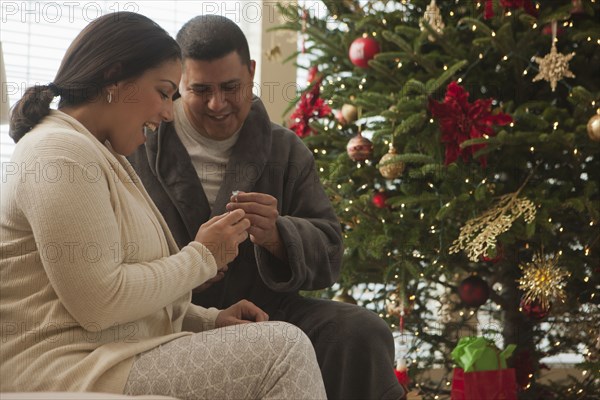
(397, 40)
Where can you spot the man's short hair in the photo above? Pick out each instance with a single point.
(209, 37)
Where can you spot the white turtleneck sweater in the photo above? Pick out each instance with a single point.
(209, 157)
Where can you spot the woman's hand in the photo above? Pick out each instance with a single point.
(242, 312)
(222, 235)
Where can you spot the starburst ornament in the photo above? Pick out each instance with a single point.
(433, 16)
(554, 66)
(543, 280)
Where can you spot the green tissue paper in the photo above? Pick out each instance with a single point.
(480, 354)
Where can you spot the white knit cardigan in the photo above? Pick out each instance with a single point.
(90, 275)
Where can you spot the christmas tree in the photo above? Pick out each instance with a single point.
(459, 143)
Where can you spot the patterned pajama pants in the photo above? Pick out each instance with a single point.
(267, 360)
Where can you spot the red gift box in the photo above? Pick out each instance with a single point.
(500, 384)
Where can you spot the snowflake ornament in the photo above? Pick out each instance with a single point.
(554, 67)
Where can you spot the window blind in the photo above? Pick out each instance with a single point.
(36, 34)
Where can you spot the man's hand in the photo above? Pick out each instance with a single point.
(261, 210)
(242, 312)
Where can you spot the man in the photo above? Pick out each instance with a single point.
(222, 153)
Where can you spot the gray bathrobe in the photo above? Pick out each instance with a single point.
(270, 159)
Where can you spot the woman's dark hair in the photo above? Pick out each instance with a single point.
(111, 48)
(209, 37)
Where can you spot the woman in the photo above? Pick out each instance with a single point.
(95, 294)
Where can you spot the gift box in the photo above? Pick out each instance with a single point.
(482, 372)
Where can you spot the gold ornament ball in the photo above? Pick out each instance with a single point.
(350, 113)
(593, 128)
(391, 169)
(344, 297)
(359, 148)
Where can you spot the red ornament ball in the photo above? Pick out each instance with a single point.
(379, 200)
(474, 291)
(497, 256)
(547, 30)
(534, 310)
(362, 50)
(577, 7)
(359, 148)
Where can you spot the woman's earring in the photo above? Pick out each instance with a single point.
(109, 97)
